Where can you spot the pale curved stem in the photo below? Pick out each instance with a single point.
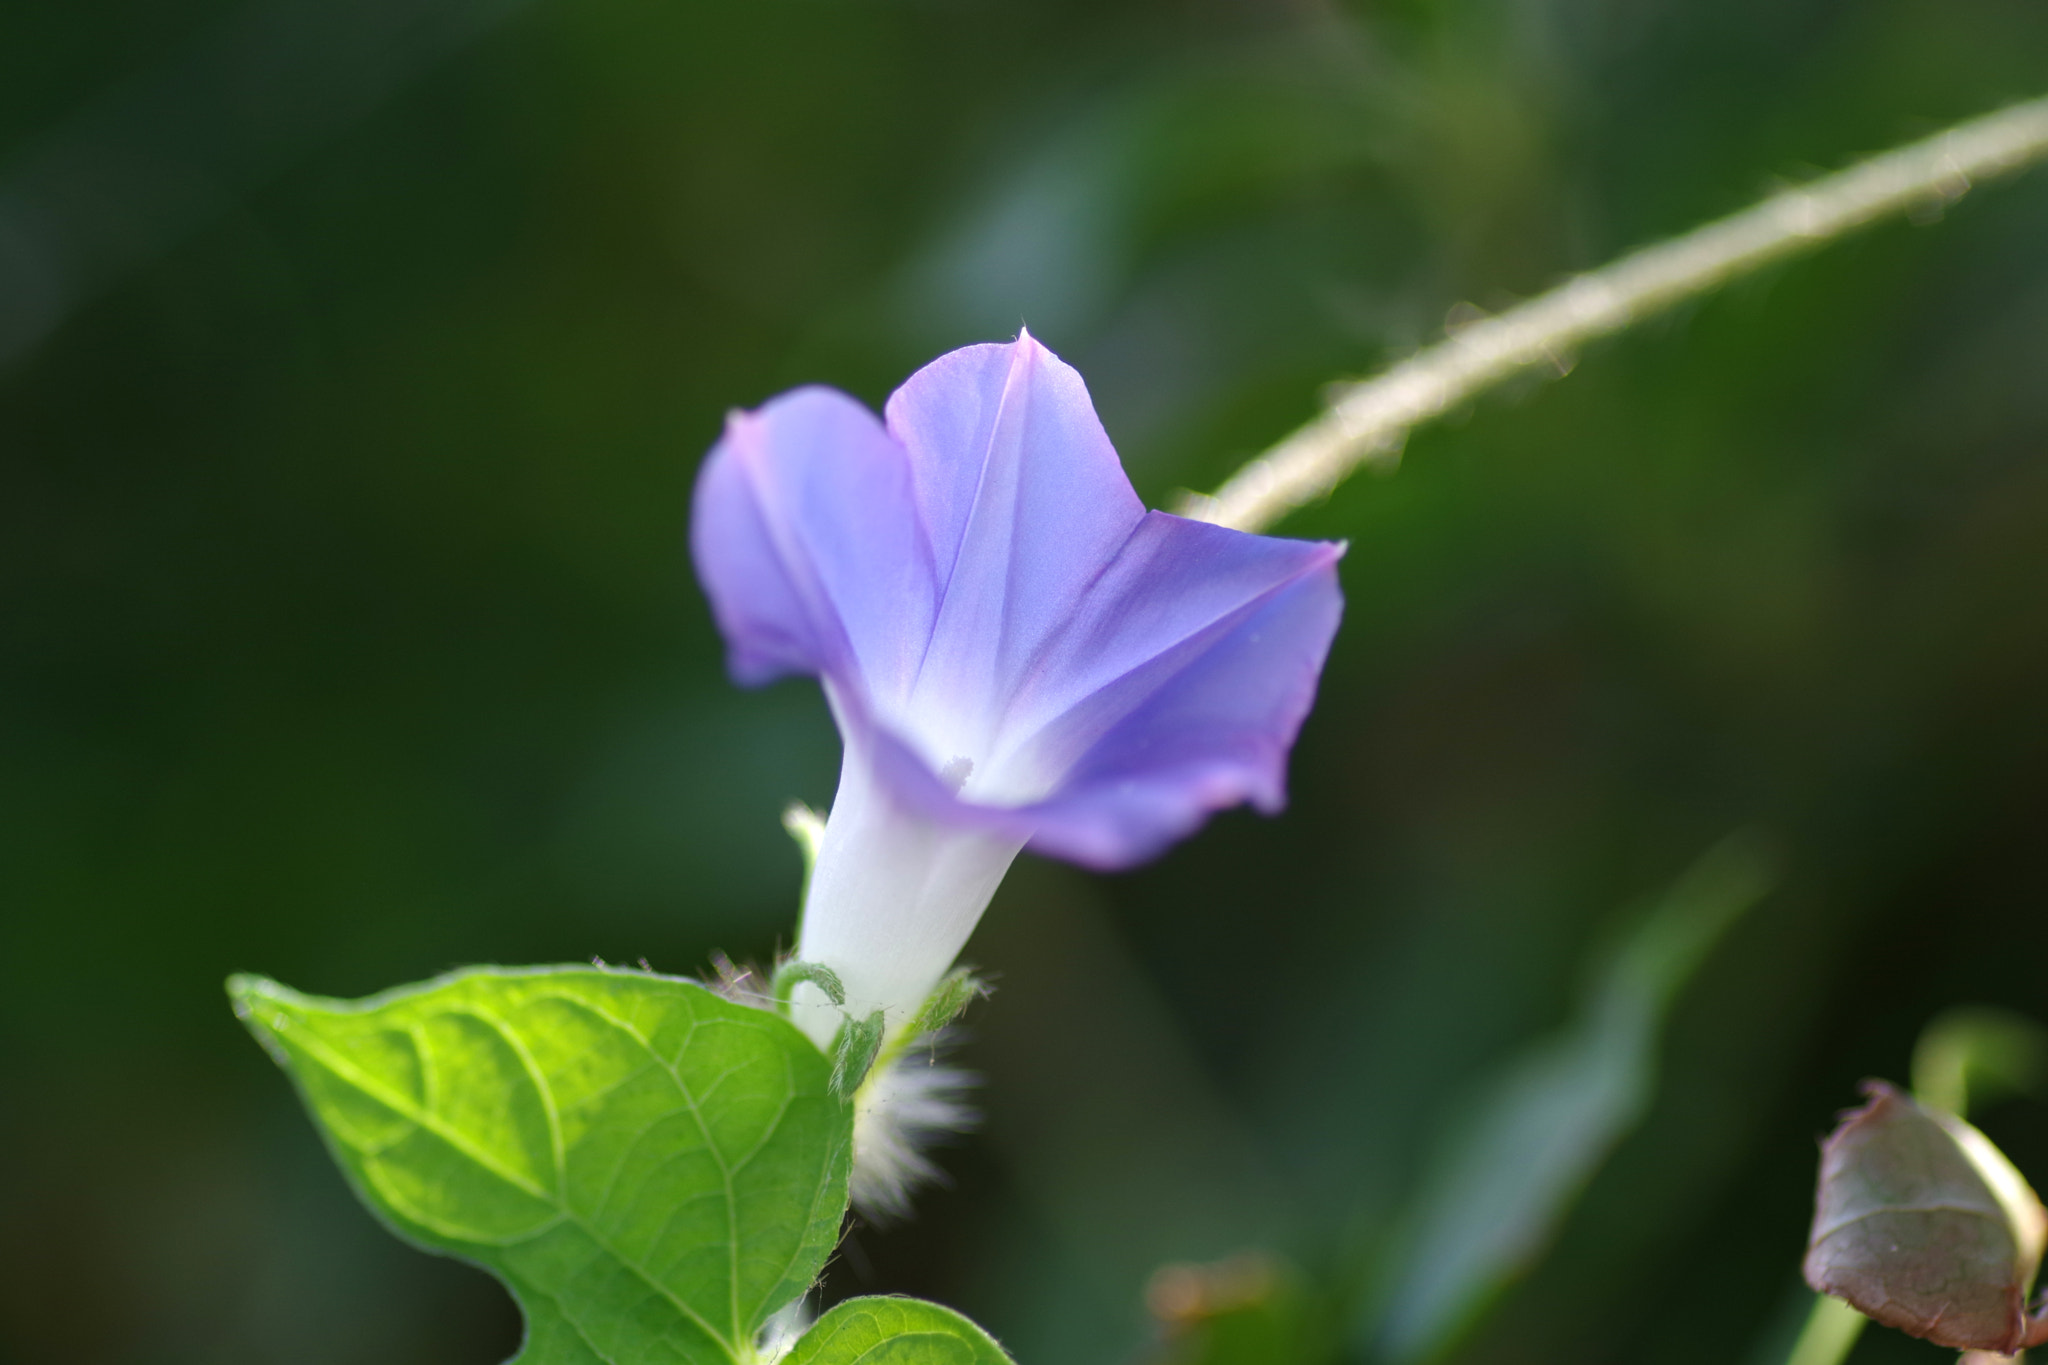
(1831, 1330)
(1370, 419)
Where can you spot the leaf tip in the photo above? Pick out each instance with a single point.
(264, 1006)
(241, 986)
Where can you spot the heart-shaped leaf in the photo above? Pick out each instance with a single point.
(651, 1169)
(891, 1331)
(1924, 1225)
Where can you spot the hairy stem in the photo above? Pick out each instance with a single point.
(1369, 420)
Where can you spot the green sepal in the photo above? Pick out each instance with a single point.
(651, 1169)
(893, 1331)
(960, 989)
(791, 973)
(854, 1049)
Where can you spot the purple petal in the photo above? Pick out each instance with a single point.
(1215, 733)
(1175, 691)
(1173, 589)
(807, 538)
(979, 586)
(1024, 500)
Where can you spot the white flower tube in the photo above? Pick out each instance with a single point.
(893, 896)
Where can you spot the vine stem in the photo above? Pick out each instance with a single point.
(1369, 420)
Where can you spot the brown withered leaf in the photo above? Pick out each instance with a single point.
(1921, 1223)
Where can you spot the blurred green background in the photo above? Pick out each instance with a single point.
(355, 360)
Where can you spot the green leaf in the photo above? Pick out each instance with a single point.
(651, 1169)
(891, 1331)
(1924, 1225)
(1542, 1127)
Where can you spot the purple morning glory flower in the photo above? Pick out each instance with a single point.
(1015, 650)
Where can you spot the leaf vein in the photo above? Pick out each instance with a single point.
(404, 1106)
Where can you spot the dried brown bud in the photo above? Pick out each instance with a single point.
(1921, 1223)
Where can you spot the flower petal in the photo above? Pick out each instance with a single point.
(1025, 501)
(978, 581)
(1175, 691)
(1213, 734)
(1174, 590)
(806, 535)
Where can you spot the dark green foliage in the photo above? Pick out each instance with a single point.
(1507, 1173)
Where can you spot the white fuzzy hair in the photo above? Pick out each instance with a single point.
(780, 1334)
(904, 1108)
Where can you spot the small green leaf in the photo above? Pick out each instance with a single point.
(651, 1169)
(891, 1331)
(1924, 1225)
